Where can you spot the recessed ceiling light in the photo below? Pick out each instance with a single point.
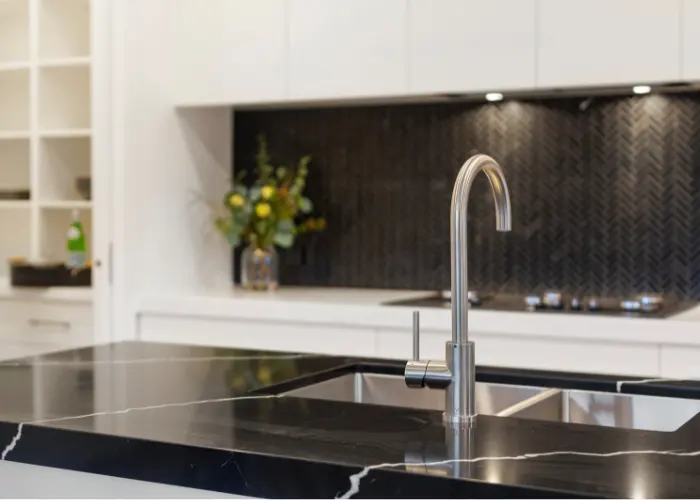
(641, 89)
(494, 96)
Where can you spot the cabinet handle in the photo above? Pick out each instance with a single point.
(49, 322)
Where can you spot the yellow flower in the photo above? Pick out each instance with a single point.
(262, 210)
(236, 200)
(268, 192)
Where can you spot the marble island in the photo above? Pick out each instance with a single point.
(222, 420)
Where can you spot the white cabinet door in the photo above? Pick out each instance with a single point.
(691, 40)
(598, 42)
(468, 45)
(346, 48)
(228, 51)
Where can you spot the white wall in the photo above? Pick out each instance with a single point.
(163, 238)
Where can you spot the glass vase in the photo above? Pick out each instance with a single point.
(259, 268)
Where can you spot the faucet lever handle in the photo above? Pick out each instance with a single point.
(416, 335)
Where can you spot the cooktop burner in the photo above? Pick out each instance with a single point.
(555, 302)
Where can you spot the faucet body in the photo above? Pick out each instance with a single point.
(457, 373)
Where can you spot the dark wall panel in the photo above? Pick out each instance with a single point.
(605, 200)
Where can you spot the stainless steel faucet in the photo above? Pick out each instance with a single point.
(457, 373)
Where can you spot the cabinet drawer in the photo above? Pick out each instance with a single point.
(254, 334)
(42, 321)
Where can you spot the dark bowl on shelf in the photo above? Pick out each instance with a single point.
(14, 194)
(84, 187)
(26, 274)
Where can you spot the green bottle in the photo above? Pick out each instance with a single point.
(76, 257)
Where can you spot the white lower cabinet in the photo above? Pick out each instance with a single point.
(568, 355)
(537, 353)
(258, 334)
(680, 362)
(492, 349)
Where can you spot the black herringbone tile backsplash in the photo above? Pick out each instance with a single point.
(605, 200)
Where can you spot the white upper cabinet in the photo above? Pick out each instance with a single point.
(691, 40)
(229, 51)
(600, 42)
(346, 48)
(471, 45)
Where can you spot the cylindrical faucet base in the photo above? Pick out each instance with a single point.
(460, 408)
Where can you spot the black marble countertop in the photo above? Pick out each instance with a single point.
(212, 418)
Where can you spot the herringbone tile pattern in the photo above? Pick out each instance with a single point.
(605, 200)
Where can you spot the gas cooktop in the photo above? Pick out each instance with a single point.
(555, 302)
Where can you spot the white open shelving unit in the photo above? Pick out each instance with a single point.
(45, 124)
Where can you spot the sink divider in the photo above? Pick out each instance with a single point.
(526, 403)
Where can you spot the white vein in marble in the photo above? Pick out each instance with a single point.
(13, 443)
(20, 426)
(646, 381)
(356, 478)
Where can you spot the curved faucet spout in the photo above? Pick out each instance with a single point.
(458, 232)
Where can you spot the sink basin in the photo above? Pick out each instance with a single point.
(625, 411)
(391, 390)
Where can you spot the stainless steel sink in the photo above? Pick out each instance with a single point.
(626, 411)
(391, 390)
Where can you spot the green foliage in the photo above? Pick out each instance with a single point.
(284, 240)
(272, 209)
(305, 205)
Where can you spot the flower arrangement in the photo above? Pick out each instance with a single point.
(272, 210)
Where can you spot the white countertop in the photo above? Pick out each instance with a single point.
(363, 307)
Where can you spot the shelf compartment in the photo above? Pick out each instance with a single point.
(64, 98)
(54, 227)
(14, 31)
(61, 162)
(14, 100)
(64, 28)
(15, 224)
(14, 165)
